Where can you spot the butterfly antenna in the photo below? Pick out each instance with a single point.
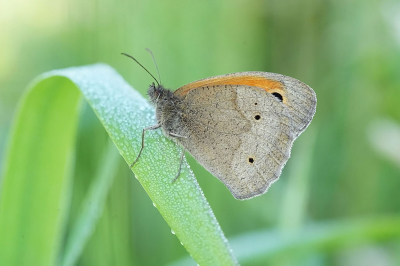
(142, 67)
(155, 63)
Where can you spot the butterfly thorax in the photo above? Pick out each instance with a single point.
(168, 108)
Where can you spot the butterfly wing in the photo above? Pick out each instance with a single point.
(299, 98)
(241, 134)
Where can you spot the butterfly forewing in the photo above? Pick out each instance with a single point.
(299, 98)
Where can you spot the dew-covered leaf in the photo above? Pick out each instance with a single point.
(123, 113)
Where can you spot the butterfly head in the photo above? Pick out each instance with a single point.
(155, 92)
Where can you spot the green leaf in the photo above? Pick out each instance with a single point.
(37, 174)
(261, 247)
(36, 181)
(92, 206)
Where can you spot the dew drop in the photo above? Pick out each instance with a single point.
(172, 231)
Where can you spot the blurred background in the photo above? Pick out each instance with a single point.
(345, 166)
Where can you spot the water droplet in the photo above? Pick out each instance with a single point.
(154, 205)
(172, 231)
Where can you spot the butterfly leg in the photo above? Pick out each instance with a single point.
(141, 149)
(180, 166)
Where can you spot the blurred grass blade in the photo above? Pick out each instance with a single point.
(35, 191)
(92, 206)
(384, 136)
(37, 174)
(262, 247)
(294, 203)
(265, 246)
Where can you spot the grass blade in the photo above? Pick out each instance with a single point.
(123, 113)
(92, 206)
(265, 246)
(37, 174)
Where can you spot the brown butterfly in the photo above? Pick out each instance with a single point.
(239, 126)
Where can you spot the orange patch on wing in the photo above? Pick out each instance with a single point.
(260, 82)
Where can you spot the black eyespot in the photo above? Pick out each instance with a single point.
(255, 103)
(251, 160)
(257, 117)
(278, 96)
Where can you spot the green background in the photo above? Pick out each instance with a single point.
(344, 166)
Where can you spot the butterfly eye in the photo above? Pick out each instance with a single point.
(278, 96)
